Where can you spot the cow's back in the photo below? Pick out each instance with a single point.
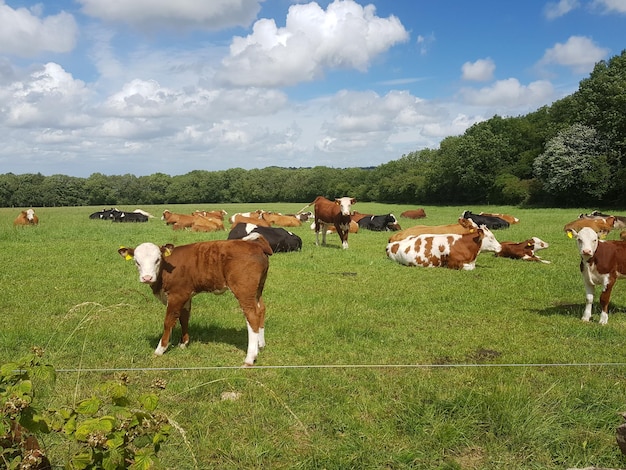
(611, 255)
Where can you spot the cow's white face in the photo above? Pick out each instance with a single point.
(30, 214)
(587, 240)
(540, 244)
(148, 261)
(345, 203)
(489, 242)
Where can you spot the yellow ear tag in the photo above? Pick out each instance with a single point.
(167, 252)
(569, 235)
(128, 257)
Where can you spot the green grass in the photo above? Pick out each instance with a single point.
(446, 387)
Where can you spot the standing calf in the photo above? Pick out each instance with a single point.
(176, 274)
(602, 262)
(335, 213)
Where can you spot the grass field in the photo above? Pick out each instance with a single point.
(368, 364)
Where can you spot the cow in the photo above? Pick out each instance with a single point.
(335, 213)
(253, 215)
(451, 251)
(619, 221)
(205, 224)
(601, 226)
(123, 216)
(280, 240)
(275, 218)
(356, 216)
(414, 214)
(523, 250)
(463, 226)
(303, 216)
(243, 219)
(176, 274)
(492, 223)
(216, 214)
(147, 214)
(171, 218)
(509, 218)
(380, 223)
(104, 214)
(27, 217)
(602, 262)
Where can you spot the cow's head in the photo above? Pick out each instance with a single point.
(345, 203)
(148, 257)
(30, 214)
(489, 242)
(539, 244)
(587, 240)
(392, 223)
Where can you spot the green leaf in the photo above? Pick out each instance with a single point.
(104, 424)
(80, 461)
(149, 401)
(8, 369)
(144, 460)
(90, 406)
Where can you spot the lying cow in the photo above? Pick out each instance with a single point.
(601, 226)
(523, 250)
(176, 274)
(123, 216)
(26, 217)
(511, 219)
(602, 262)
(280, 240)
(463, 226)
(414, 214)
(275, 218)
(619, 221)
(380, 223)
(451, 251)
(491, 222)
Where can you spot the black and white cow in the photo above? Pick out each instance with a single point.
(104, 214)
(380, 223)
(280, 240)
(492, 223)
(123, 216)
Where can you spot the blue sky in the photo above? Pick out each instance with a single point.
(147, 86)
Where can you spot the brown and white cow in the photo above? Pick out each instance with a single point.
(600, 226)
(414, 214)
(244, 219)
(335, 213)
(206, 224)
(463, 226)
(176, 274)
(216, 214)
(451, 251)
(276, 218)
(602, 262)
(27, 217)
(523, 250)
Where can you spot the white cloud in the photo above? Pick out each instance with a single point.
(554, 10)
(610, 6)
(579, 53)
(24, 33)
(509, 94)
(346, 35)
(180, 14)
(479, 71)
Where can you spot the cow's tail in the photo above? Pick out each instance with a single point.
(305, 207)
(258, 238)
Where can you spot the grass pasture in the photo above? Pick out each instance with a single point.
(368, 364)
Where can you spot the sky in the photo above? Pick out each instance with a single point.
(162, 86)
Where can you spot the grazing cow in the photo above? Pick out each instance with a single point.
(26, 217)
(463, 226)
(123, 216)
(601, 226)
(274, 218)
(492, 223)
(176, 274)
(414, 214)
(523, 250)
(619, 221)
(602, 262)
(216, 214)
(380, 223)
(280, 240)
(509, 218)
(335, 213)
(451, 251)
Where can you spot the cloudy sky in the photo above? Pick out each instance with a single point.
(147, 86)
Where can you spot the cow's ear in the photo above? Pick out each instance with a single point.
(570, 234)
(126, 253)
(529, 244)
(167, 249)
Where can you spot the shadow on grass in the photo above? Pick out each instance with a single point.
(576, 310)
(205, 334)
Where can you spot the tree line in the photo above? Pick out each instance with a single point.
(568, 154)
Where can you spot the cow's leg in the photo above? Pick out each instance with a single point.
(171, 317)
(317, 233)
(251, 311)
(605, 298)
(185, 313)
(589, 291)
(261, 309)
